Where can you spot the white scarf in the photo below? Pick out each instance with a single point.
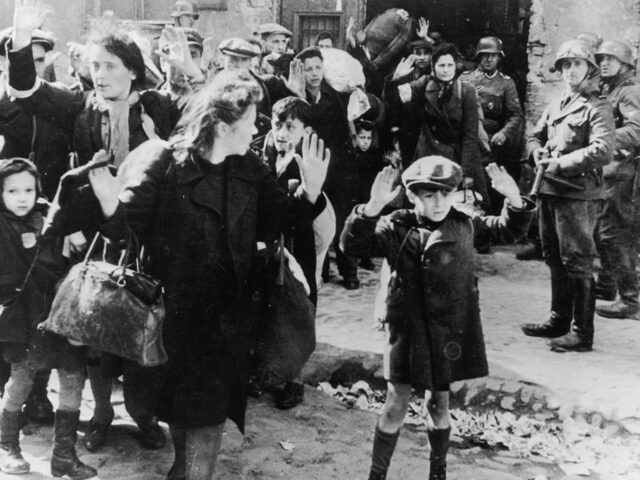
(115, 124)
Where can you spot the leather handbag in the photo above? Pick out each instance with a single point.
(287, 335)
(111, 308)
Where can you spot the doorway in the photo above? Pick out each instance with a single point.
(463, 22)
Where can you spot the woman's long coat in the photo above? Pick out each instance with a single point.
(173, 211)
(435, 335)
(448, 128)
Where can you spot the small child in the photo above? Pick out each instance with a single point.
(433, 315)
(30, 267)
(369, 162)
(367, 158)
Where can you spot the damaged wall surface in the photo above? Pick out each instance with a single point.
(555, 21)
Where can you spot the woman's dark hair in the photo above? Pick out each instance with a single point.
(226, 99)
(121, 45)
(292, 108)
(15, 165)
(446, 49)
(325, 36)
(309, 52)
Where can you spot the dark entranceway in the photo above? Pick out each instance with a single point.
(463, 22)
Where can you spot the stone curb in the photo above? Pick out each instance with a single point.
(503, 389)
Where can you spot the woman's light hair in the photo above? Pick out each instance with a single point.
(226, 99)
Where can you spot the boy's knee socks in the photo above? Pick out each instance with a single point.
(383, 446)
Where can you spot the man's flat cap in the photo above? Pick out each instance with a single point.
(39, 37)
(238, 47)
(271, 28)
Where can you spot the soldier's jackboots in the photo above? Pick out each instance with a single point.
(624, 270)
(11, 460)
(580, 339)
(559, 322)
(64, 461)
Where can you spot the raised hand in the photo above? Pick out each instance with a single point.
(504, 183)
(105, 186)
(404, 68)
(209, 48)
(295, 83)
(28, 15)
(351, 32)
(383, 191)
(423, 29)
(177, 53)
(313, 164)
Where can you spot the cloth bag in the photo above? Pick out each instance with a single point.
(110, 308)
(288, 330)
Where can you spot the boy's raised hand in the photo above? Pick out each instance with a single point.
(383, 191)
(295, 83)
(313, 164)
(504, 183)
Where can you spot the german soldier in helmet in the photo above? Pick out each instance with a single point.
(184, 14)
(618, 231)
(571, 143)
(503, 117)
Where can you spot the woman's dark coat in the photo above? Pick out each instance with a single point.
(436, 337)
(172, 209)
(448, 127)
(76, 113)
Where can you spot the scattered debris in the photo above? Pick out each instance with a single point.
(575, 469)
(287, 445)
(574, 444)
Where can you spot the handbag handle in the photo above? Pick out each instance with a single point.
(124, 256)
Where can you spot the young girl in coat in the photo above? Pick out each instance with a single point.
(30, 267)
(433, 316)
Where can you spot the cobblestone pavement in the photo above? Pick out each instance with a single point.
(323, 439)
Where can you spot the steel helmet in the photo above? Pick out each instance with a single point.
(593, 39)
(183, 7)
(575, 48)
(617, 48)
(489, 45)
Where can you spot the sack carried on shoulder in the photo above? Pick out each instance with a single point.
(111, 308)
(287, 335)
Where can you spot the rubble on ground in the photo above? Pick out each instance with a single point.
(574, 443)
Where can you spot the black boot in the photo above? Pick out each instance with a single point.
(383, 446)
(64, 461)
(38, 408)
(439, 440)
(626, 280)
(96, 436)
(11, 460)
(580, 339)
(559, 321)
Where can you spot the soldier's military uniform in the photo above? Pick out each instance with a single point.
(618, 229)
(578, 130)
(502, 113)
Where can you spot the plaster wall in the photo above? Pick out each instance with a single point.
(554, 21)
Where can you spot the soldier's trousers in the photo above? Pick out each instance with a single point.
(567, 229)
(617, 240)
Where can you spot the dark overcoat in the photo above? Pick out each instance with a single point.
(449, 126)
(28, 280)
(435, 335)
(171, 208)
